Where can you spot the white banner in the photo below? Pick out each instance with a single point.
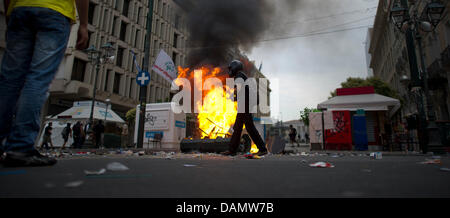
(165, 67)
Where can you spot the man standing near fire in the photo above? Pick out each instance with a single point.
(235, 70)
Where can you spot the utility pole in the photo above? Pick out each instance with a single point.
(145, 66)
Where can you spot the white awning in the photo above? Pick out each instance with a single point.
(82, 111)
(368, 102)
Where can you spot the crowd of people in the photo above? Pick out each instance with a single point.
(78, 132)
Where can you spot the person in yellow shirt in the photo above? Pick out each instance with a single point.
(36, 40)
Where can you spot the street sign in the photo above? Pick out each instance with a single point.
(143, 78)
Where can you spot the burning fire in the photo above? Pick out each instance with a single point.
(218, 112)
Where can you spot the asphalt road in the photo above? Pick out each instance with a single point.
(216, 176)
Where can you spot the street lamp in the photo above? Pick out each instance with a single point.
(97, 57)
(400, 16)
(434, 11)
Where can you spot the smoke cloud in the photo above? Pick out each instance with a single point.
(216, 26)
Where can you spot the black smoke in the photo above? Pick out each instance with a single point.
(216, 26)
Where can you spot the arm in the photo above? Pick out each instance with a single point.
(83, 36)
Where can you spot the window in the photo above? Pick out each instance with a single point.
(116, 4)
(139, 15)
(132, 81)
(113, 32)
(138, 32)
(105, 88)
(126, 5)
(177, 21)
(120, 53)
(79, 67)
(116, 87)
(123, 31)
(175, 40)
(91, 11)
(174, 58)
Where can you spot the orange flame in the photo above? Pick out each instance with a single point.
(217, 110)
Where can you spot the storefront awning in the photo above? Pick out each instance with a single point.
(368, 102)
(82, 111)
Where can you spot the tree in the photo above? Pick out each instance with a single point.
(131, 116)
(379, 85)
(304, 115)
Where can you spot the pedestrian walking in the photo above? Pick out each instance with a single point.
(66, 133)
(292, 135)
(99, 129)
(77, 134)
(125, 135)
(47, 136)
(236, 71)
(36, 40)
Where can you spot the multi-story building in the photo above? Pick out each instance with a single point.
(122, 22)
(368, 56)
(390, 60)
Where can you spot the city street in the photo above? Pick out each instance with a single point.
(206, 176)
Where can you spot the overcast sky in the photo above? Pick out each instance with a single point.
(311, 66)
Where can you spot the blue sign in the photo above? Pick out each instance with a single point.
(151, 135)
(180, 124)
(143, 78)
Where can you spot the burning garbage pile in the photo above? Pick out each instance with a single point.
(215, 111)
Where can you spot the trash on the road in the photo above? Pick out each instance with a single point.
(116, 166)
(334, 155)
(366, 171)
(445, 169)
(190, 165)
(141, 153)
(435, 161)
(304, 161)
(304, 154)
(322, 165)
(376, 155)
(74, 184)
(436, 157)
(100, 172)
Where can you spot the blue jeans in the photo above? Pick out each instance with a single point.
(36, 41)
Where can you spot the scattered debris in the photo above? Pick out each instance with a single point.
(116, 166)
(74, 184)
(334, 155)
(322, 165)
(445, 169)
(366, 171)
(376, 155)
(190, 165)
(436, 157)
(100, 172)
(435, 161)
(141, 153)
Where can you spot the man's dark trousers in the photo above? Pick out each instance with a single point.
(247, 119)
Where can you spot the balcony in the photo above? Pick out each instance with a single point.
(445, 56)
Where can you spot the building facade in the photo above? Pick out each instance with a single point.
(123, 23)
(390, 60)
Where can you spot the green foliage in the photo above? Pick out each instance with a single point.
(380, 86)
(131, 115)
(304, 115)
